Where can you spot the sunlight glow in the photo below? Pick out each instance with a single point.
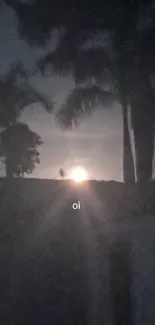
(78, 174)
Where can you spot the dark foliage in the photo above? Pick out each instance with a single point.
(131, 29)
(16, 94)
(18, 147)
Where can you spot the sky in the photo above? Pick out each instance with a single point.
(96, 145)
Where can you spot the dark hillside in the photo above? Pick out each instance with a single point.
(64, 266)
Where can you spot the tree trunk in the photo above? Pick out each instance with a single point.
(128, 162)
(121, 281)
(142, 108)
(8, 168)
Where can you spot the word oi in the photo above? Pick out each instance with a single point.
(76, 206)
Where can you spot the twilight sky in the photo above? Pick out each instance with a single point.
(96, 144)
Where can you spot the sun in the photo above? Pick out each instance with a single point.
(78, 174)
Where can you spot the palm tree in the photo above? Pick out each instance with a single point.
(94, 70)
(16, 94)
(130, 25)
(130, 65)
(142, 102)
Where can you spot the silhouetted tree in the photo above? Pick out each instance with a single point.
(18, 147)
(84, 99)
(125, 54)
(62, 173)
(129, 25)
(16, 94)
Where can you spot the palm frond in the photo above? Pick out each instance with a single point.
(147, 48)
(56, 63)
(62, 60)
(30, 18)
(28, 95)
(14, 98)
(80, 103)
(16, 69)
(94, 63)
